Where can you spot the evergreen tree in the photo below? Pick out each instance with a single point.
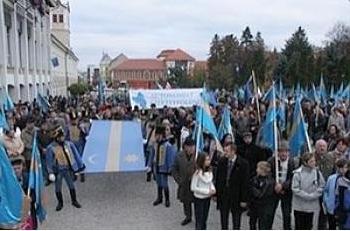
(297, 61)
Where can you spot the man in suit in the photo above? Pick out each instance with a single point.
(283, 190)
(232, 186)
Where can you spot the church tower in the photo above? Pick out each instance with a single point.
(60, 22)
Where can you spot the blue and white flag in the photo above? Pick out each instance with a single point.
(114, 146)
(36, 180)
(11, 193)
(298, 135)
(225, 124)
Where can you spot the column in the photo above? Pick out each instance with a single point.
(26, 59)
(16, 54)
(35, 90)
(3, 49)
(40, 52)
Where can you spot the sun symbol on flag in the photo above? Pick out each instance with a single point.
(131, 158)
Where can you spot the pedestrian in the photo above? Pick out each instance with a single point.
(307, 186)
(325, 163)
(63, 161)
(27, 137)
(30, 221)
(283, 191)
(329, 194)
(203, 189)
(13, 144)
(162, 156)
(261, 189)
(343, 198)
(183, 169)
(232, 186)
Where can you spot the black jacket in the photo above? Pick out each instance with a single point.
(237, 190)
(253, 154)
(261, 191)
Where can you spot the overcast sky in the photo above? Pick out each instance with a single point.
(142, 28)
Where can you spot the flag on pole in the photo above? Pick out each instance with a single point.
(36, 182)
(298, 135)
(43, 103)
(8, 104)
(205, 122)
(225, 124)
(268, 134)
(11, 194)
(3, 120)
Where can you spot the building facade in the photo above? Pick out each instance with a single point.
(25, 67)
(139, 73)
(64, 61)
(104, 67)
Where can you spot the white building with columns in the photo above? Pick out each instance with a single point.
(65, 62)
(25, 66)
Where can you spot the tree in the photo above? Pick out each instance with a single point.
(78, 89)
(297, 61)
(337, 54)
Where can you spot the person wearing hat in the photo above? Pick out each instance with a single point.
(63, 161)
(182, 170)
(283, 190)
(18, 163)
(161, 159)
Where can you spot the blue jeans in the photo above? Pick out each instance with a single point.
(162, 180)
(67, 175)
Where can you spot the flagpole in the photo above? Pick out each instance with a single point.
(275, 132)
(256, 96)
(305, 131)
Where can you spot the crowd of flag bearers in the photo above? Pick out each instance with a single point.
(238, 151)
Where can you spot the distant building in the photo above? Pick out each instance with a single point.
(104, 67)
(139, 73)
(25, 66)
(177, 59)
(150, 73)
(64, 60)
(93, 74)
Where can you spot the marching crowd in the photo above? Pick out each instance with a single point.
(241, 176)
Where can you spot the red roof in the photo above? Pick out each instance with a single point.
(141, 64)
(176, 55)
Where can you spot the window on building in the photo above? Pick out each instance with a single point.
(30, 49)
(61, 18)
(54, 18)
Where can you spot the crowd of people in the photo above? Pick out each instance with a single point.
(241, 176)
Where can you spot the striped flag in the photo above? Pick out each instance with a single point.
(114, 146)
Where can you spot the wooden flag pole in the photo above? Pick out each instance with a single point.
(256, 96)
(275, 132)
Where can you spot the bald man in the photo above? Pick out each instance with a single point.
(325, 162)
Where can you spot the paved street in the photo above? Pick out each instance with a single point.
(122, 201)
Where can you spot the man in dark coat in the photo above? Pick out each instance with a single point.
(232, 186)
(251, 152)
(183, 169)
(283, 190)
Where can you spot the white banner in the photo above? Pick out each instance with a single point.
(165, 97)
